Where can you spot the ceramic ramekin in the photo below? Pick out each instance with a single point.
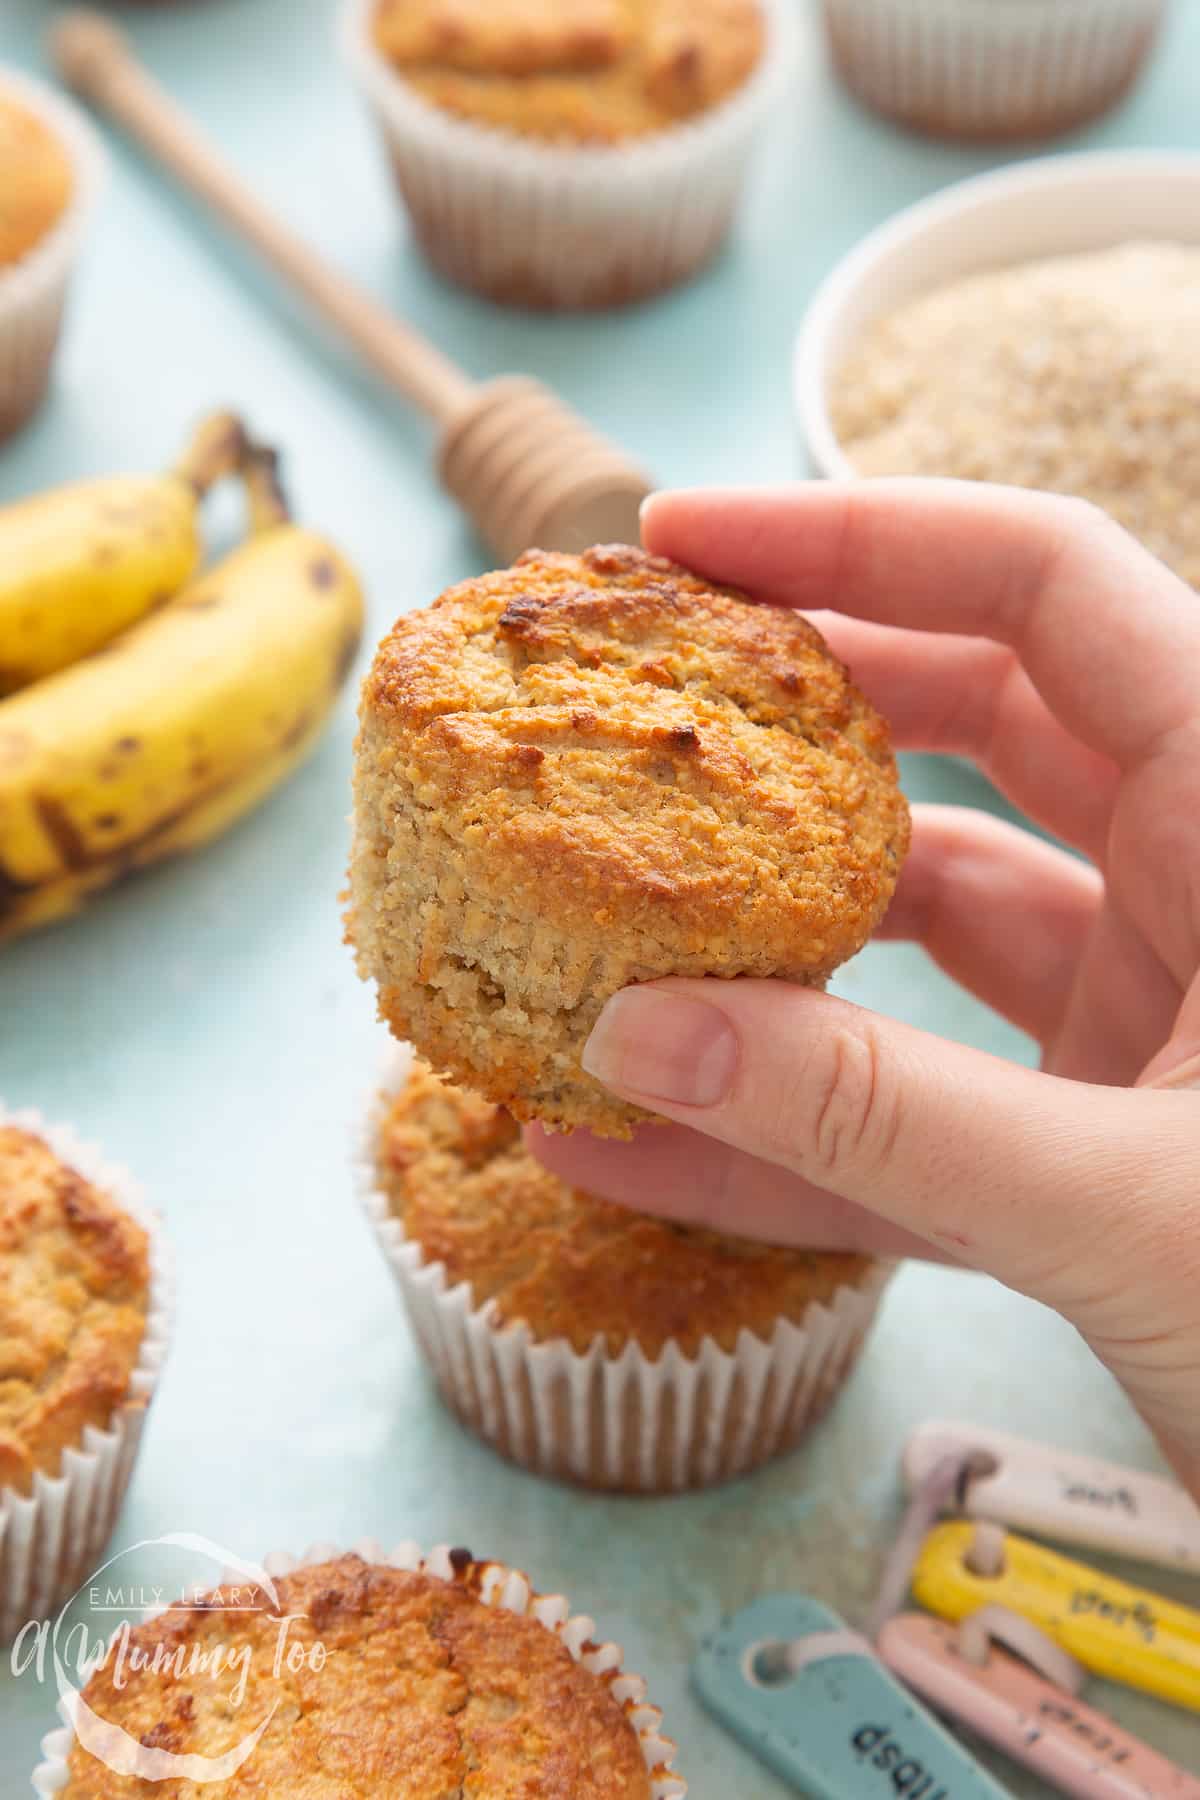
(1055, 206)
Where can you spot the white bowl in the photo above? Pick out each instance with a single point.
(1054, 206)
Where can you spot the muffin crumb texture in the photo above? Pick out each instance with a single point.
(422, 1691)
(566, 1264)
(74, 1289)
(584, 772)
(576, 71)
(36, 181)
(1080, 375)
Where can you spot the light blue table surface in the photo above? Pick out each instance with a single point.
(207, 1025)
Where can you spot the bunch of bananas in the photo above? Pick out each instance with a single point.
(144, 707)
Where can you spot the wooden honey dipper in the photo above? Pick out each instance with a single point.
(525, 468)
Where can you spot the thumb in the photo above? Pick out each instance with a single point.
(1064, 1191)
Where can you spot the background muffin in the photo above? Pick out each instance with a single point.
(578, 72)
(580, 154)
(37, 180)
(83, 1325)
(583, 772)
(74, 1293)
(587, 1341)
(48, 173)
(973, 68)
(437, 1674)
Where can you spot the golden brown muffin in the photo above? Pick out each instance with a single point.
(573, 71)
(74, 1292)
(567, 1265)
(584, 772)
(36, 181)
(424, 1692)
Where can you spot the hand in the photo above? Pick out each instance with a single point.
(1034, 636)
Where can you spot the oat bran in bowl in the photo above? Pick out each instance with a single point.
(1033, 327)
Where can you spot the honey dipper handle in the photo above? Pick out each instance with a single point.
(95, 59)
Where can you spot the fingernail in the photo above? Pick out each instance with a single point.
(664, 1047)
(645, 507)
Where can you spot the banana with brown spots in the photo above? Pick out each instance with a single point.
(183, 724)
(80, 564)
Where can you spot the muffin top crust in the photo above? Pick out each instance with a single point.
(36, 180)
(422, 1691)
(586, 771)
(573, 71)
(466, 1190)
(74, 1293)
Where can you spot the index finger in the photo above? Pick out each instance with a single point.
(1108, 635)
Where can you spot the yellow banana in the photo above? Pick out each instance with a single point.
(81, 564)
(186, 722)
(192, 830)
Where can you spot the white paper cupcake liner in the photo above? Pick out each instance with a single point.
(626, 1422)
(498, 1586)
(52, 1539)
(977, 68)
(33, 292)
(543, 225)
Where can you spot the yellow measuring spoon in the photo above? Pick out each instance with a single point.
(1123, 1632)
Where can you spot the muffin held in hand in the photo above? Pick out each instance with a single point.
(400, 1677)
(588, 1341)
(83, 1330)
(584, 772)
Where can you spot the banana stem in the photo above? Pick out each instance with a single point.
(219, 448)
(265, 495)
